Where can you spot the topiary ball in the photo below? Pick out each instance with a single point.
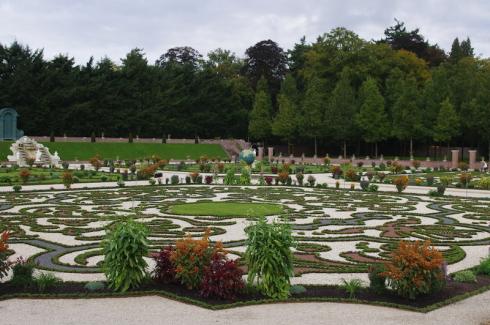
(248, 156)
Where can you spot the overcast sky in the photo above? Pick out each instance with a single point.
(112, 28)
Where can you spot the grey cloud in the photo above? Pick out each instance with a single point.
(112, 28)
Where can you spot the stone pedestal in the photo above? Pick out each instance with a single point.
(454, 158)
(473, 164)
(260, 154)
(270, 153)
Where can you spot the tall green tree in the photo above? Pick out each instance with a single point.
(447, 125)
(260, 119)
(372, 119)
(313, 110)
(342, 106)
(408, 114)
(285, 124)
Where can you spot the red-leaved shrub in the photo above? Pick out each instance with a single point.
(222, 278)
(164, 271)
(208, 179)
(268, 180)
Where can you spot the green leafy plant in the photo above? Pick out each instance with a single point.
(245, 177)
(230, 178)
(484, 266)
(124, 248)
(465, 276)
(17, 188)
(45, 281)
(377, 281)
(22, 273)
(269, 257)
(352, 286)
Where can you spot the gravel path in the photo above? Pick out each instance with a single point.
(157, 310)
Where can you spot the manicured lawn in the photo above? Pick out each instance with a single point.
(225, 209)
(125, 151)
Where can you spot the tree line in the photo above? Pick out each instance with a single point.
(339, 90)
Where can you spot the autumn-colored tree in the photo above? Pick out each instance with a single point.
(67, 179)
(415, 268)
(24, 175)
(96, 162)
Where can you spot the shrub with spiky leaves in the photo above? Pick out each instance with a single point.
(269, 257)
(124, 248)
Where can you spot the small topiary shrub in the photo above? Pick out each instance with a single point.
(17, 188)
(465, 276)
(364, 185)
(164, 271)
(208, 179)
(124, 248)
(484, 183)
(351, 175)
(415, 268)
(401, 183)
(282, 177)
(269, 257)
(484, 266)
(222, 278)
(299, 178)
(430, 180)
(464, 179)
(463, 166)
(120, 183)
(174, 180)
(311, 180)
(94, 286)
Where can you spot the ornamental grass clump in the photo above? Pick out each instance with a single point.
(125, 247)
(416, 268)
(269, 257)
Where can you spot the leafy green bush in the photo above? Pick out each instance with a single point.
(352, 287)
(269, 257)
(17, 188)
(46, 280)
(465, 276)
(245, 177)
(22, 273)
(124, 248)
(120, 183)
(377, 281)
(94, 286)
(230, 178)
(174, 180)
(484, 267)
(311, 180)
(484, 183)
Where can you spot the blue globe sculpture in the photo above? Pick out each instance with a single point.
(248, 156)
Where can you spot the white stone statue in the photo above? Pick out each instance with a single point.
(38, 155)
